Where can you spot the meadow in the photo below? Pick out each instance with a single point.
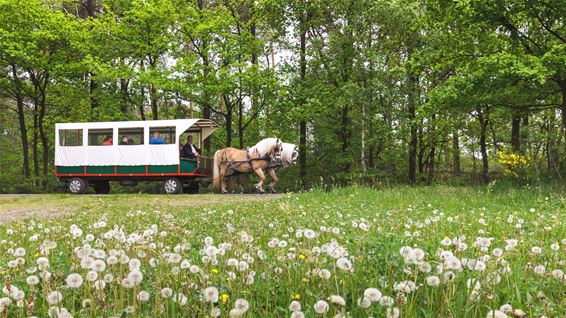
(350, 252)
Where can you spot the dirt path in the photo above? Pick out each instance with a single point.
(15, 207)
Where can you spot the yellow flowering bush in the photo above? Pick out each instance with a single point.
(517, 166)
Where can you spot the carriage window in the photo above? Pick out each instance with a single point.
(161, 135)
(71, 137)
(100, 137)
(130, 136)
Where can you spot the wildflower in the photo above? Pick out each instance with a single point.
(98, 266)
(135, 276)
(235, 313)
(433, 281)
(324, 274)
(74, 280)
(297, 314)
(211, 294)
(242, 305)
(373, 294)
(310, 234)
(344, 264)
(336, 299)
(392, 312)
(19, 252)
(143, 296)
(296, 296)
(295, 306)
(166, 292)
(539, 269)
(496, 314)
(536, 250)
(506, 308)
(215, 312)
(54, 298)
(134, 264)
(99, 284)
(558, 274)
(386, 301)
(321, 307)
(364, 302)
(32, 280)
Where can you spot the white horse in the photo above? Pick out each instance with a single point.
(230, 160)
(289, 155)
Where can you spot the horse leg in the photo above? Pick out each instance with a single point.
(240, 182)
(223, 180)
(273, 180)
(259, 186)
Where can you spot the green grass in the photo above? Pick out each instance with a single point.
(371, 227)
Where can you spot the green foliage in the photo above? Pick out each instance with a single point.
(382, 87)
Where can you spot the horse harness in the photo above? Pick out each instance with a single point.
(235, 163)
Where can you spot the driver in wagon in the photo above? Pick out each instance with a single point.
(190, 151)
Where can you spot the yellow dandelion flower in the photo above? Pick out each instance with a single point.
(214, 271)
(296, 296)
(224, 298)
(302, 257)
(305, 280)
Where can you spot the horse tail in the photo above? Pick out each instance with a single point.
(216, 170)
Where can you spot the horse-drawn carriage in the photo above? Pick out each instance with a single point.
(93, 154)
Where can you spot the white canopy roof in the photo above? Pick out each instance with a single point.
(128, 155)
(207, 125)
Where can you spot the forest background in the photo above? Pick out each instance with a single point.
(373, 91)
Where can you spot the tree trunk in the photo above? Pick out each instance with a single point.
(228, 118)
(456, 152)
(153, 97)
(483, 145)
(42, 134)
(421, 149)
(124, 97)
(363, 137)
(142, 105)
(241, 124)
(303, 123)
(93, 85)
(432, 154)
(563, 109)
(35, 148)
(414, 132)
(22, 121)
(516, 133)
(525, 134)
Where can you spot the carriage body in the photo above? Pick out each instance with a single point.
(83, 156)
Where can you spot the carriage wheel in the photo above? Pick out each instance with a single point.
(173, 186)
(102, 187)
(76, 186)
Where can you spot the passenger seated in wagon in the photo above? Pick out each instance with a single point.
(156, 139)
(190, 151)
(107, 141)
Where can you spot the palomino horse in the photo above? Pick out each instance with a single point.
(289, 154)
(256, 159)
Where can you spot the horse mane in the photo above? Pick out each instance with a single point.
(287, 153)
(265, 146)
